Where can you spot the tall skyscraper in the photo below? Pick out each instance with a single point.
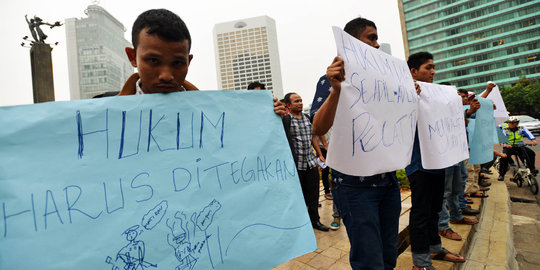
(247, 51)
(97, 61)
(475, 41)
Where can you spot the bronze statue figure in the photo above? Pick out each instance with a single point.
(34, 25)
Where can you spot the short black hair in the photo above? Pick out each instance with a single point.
(417, 59)
(463, 91)
(254, 85)
(357, 26)
(287, 97)
(162, 22)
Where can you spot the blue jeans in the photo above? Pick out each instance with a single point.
(464, 177)
(453, 187)
(371, 218)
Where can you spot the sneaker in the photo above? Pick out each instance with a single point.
(501, 178)
(335, 224)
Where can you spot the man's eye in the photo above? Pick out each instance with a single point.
(178, 63)
(153, 60)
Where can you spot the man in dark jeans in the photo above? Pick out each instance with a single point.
(369, 206)
(301, 139)
(427, 189)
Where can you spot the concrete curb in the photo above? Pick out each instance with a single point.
(492, 243)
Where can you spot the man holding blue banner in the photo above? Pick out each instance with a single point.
(161, 54)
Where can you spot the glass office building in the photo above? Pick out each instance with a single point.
(476, 41)
(97, 60)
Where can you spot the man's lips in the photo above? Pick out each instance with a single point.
(166, 87)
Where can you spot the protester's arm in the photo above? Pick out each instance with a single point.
(324, 142)
(475, 105)
(488, 90)
(315, 144)
(499, 154)
(324, 118)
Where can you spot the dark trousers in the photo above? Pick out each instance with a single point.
(324, 174)
(522, 152)
(427, 196)
(309, 181)
(371, 218)
(488, 164)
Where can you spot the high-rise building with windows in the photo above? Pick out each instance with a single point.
(96, 57)
(475, 41)
(247, 51)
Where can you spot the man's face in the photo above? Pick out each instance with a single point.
(162, 64)
(369, 36)
(425, 73)
(464, 98)
(513, 125)
(296, 105)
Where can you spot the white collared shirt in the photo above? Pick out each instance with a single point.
(139, 91)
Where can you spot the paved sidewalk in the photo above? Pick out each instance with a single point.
(333, 246)
(486, 245)
(405, 259)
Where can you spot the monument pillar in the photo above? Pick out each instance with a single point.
(42, 72)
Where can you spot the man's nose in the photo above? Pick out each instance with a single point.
(166, 74)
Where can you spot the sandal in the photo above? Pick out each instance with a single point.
(328, 196)
(450, 234)
(479, 195)
(445, 255)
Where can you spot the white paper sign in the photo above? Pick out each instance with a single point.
(375, 121)
(441, 126)
(500, 112)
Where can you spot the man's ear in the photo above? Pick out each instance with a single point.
(190, 58)
(413, 72)
(131, 56)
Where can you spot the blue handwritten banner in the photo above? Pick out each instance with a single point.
(481, 133)
(193, 180)
(375, 120)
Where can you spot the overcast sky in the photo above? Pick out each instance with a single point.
(305, 40)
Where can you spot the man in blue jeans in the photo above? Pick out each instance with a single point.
(369, 206)
(453, 187)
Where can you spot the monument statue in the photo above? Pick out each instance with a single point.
(34, 25)
(40, 59)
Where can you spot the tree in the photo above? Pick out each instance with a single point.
(522, 97)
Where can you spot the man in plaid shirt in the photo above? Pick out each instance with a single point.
(300, 136)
